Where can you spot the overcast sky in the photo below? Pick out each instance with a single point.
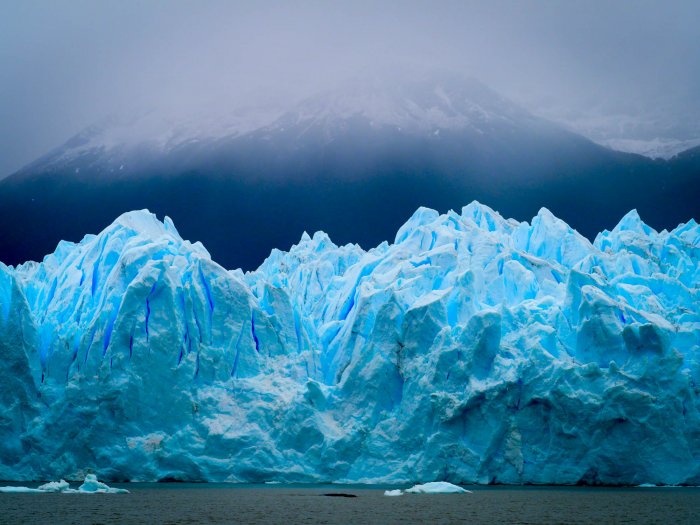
(65, 64)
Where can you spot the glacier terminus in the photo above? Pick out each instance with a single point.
(472, 349)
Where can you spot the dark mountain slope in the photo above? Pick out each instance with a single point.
(355, 165)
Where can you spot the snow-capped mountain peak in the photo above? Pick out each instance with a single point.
(422, 104)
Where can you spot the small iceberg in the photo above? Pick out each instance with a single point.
(54, 486)
(89, 486)
(434, 487)
(92, 486)
(19, 489)
(437, 487)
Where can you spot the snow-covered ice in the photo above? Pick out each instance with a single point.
(473, 349)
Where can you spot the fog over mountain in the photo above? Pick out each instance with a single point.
(352, 161)
(249, 123)
(628, 79)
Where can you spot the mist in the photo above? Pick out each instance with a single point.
(633, 72)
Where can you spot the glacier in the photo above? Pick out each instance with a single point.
(473, 349)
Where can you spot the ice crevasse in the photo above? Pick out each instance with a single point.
(472, 349)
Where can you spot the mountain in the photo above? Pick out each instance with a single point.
(473, 349)
(449, 116)
(352, 161)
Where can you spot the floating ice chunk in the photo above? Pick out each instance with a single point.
(54, 486)
(19, 489)
(437, 487)
(91, 485)
(434, 487)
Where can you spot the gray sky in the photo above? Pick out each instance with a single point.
(590, 64)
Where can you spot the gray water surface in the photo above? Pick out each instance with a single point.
(184, 503)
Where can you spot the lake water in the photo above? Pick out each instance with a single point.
(183, 503)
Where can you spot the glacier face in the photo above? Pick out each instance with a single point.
(472, 349)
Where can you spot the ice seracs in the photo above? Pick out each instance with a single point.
(473, 348)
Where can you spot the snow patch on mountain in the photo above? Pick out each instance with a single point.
(426, 105)
(658, 148)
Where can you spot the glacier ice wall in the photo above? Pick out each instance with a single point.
(472, 349)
